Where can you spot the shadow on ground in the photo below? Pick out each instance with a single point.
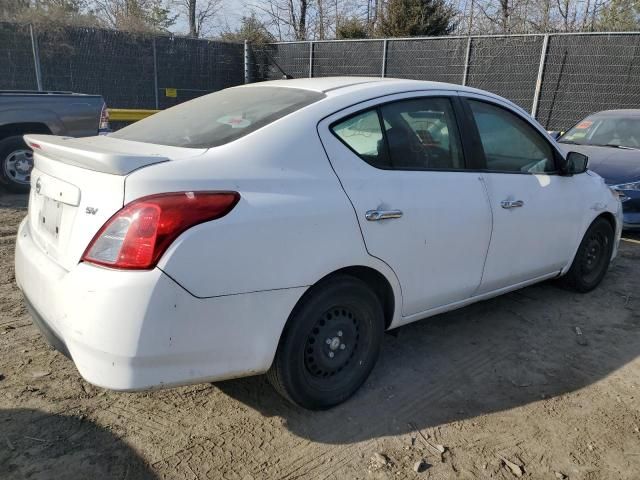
(489, 357)
(35, 444)
(13, 200)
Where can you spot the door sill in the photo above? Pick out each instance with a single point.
(470, 300)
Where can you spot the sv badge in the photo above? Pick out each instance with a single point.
(91, 211)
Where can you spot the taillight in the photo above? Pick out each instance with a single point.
(103, 124)
(137, 236)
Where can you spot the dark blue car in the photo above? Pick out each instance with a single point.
(611, 140)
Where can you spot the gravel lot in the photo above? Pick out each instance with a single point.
(505, 387)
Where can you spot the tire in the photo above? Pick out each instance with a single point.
(592, 258)
(16, 163)
(330, 344)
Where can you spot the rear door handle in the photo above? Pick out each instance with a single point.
(511, 203)
(375, 215)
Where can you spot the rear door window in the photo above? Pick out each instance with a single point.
(362, 134)
(422, 134)
(414, 134)
(220, 117)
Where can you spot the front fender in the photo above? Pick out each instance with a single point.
(605, 202)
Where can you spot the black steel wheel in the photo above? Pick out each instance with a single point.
(330, 344)
(593, 257)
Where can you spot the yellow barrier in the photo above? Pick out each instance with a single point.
(129, 115)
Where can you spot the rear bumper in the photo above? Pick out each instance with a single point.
(140, 330)
(50, 336)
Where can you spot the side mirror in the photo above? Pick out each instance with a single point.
(575, 163)
(554, 134)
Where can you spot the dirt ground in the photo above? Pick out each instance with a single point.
(505, 388)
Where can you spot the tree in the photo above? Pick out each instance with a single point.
(200, 15)
(159, 16)
(289, 18)
(250, 29)
(46, 12)
(135, 15)
(620, 15)
(410, 18)
(352, 28)
(9, 10)
(500, 17)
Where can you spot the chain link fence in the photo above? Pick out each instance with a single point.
(128, 70)
(196, 67)
(588, 73)
(17, 67)
(559, 78)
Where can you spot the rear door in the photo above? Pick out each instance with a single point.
(420, 210)
(537, 212)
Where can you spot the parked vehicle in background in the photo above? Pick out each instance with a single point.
(282, 226)
(56, 113)
(611, 140)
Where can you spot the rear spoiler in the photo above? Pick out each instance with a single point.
(85, 153)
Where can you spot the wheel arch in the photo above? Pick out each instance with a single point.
(379, 283)
(609, 217)
(21, 128)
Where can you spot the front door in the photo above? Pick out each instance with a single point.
(537, 212)
(402, 165)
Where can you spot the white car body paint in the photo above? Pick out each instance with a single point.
(436, 272)
(217, 302)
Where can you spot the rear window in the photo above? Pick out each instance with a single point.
(218, 118)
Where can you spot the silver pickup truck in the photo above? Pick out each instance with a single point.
(56, 113)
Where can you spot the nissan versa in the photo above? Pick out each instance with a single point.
(282, 227)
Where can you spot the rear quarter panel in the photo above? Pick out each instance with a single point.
(292, 226)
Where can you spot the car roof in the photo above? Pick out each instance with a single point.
(348, 85)
(345, 91)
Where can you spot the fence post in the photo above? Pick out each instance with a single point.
(384, 57)
(246, 62)
(465, 74)
(155, 74)
(310, 59)
(543, 61)
(36, 57)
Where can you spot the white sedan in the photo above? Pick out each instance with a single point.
(282, 227)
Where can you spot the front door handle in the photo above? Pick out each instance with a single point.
(511, 203)
(375, 215)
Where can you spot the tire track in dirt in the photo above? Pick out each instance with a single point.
(305, 463)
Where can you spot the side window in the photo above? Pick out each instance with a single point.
(510, 144)
(362, 134)
(422, 134)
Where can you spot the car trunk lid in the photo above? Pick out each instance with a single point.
(78, 184)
